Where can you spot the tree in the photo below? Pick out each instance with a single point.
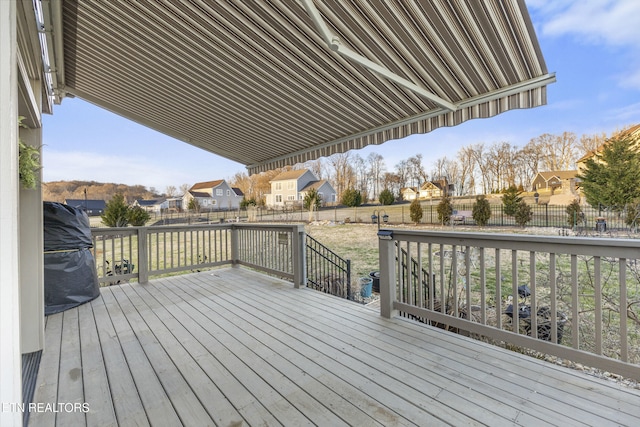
(612, 178)
(312, 200)
(116, 212)
(511, 200)
(386, 197)
(415, 211)
(194, 205)
(170, 191)
(523, 213)
(351, 197)
(574, 213)
(481, 211)
(445, 210)
(138, 216)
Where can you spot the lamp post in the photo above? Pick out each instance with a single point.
(375, 217)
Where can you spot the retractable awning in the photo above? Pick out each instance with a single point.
(273, 83)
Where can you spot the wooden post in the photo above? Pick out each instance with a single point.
(235, 245)
(387, 259)
(299, 259)
(143, 252)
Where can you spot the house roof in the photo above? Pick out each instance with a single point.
(633, 132)
(270, 84)
(314, 185)
(150, 202)
(237, 191)
(557, 174)
(201, 194)
(287, 175)
(207, 184)
(90, 204)
(407, 189)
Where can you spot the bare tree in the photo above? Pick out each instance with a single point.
(184, 189)
(415, 170)
(478, 152)
(342, 176)
(170, 191)
(560, 151)
(376, 170)
(393, 182)
(402, 171)
(467, 171)
(589, 143)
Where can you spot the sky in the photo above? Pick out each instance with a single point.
(591, 45)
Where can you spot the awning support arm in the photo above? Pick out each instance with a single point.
(334, 44)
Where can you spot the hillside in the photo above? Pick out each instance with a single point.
(58, 191)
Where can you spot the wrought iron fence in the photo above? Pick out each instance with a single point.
(327, 271)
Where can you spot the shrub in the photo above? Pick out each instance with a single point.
(312, 200)
(511, 200)
(194, 205)
(386, 197)
(351, 197)
(574, 213)
(245, 203)
(445, 210)
(138, 216)
(523, 213)
(481, 212)
(415, 211)
(116, 212)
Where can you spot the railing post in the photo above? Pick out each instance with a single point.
(299, 259)
(235, 245)
(143, 251)
(387, 260)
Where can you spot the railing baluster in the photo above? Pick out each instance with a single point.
(532, 287)
(575, 321)
(598, 303)
(498, 289)
(622, 278)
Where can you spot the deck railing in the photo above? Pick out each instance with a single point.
(327, 271)
(137, 253)
(579, 298)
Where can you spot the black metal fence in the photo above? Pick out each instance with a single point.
(543, 216)
(327, 271)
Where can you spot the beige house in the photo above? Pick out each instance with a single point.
(554, 180)
(428, 190)
(290, 187)
(213, 195)
(632, 132)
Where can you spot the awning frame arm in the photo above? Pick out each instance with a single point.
(334, 43)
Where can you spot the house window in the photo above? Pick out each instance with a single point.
(228, 193)
(278, 186)
(278, 198)
(291, 197)
(219, 192)
(214, 202)
(291, 185)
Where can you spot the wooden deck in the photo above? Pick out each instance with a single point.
(232, 347)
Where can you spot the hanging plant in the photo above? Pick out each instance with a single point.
(28, 162)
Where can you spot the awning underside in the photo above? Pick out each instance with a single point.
(257, 83)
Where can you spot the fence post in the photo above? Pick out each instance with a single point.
(299, 259)
(546, 214)
(235, 245)
(143, 251)
(387, 262)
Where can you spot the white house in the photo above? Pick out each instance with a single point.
(152, 205)
(213, 195)
(290, 188)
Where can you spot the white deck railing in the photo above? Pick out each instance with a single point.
(140, 252)
(585, 291)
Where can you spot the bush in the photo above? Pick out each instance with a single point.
(523, 213)
(445, 210)
(386, 197)
(415, 211)
(138, 216)
(511, 200)
(351, 197)
(116, 212)
(481, 212)
(312, 200)
(245, 203)
(574, 213)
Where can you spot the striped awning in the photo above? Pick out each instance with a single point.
(274, 83)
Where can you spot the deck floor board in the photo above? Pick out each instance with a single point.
(235, 347)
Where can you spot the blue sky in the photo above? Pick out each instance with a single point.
(591, 45)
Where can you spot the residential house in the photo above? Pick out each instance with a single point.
(290, 188)
(409, 193)
(432, 189)
(213, 195)
(93, 207)
(155, 206)
(633, 132)
(553, 180)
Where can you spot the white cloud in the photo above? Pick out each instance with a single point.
(610, 22)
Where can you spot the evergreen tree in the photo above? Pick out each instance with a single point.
(312, 200)
(481, 212)
(511, 200)
(612, 178)
(138, 216)
(523, 213)
(415, 211)
(386, 197)
(574, 213)
(351, 197)
(116, 212)
(445, 210)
